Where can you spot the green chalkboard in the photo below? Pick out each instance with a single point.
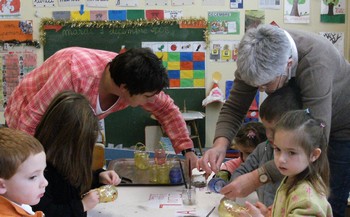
(126, 127)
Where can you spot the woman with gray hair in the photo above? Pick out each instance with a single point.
(270, 57)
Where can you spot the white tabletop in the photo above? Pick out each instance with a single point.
(133, 201)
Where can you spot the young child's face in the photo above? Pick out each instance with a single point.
(269, 129)
(289, 157)
(28, 184)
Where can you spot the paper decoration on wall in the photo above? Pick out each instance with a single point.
(69, 3)
(77, 15)
(173, 14)
(181, 2)
(224, 22)
(156, 2)
(16, 30)
(127, 3)
(98, 15)
(97, 3)
(270, 4)
(61, 15)
(236, 4)
(119, 15)
(253, 112)
(333, 11)
(253, 18)
(185, 61)
(42, 4)
(223, 51)
(14, 65)
(337, 39)
(10, 8)
(297, 13)
(154, 14)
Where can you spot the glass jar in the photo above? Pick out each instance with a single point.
(216, 184)
(163, 173)
(229, 208)
(141, 159)
(107, 193)
(198, 179)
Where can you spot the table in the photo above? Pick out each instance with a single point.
(133, 201)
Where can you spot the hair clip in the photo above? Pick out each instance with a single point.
(307, 110)
(322, 125)
(251, 134)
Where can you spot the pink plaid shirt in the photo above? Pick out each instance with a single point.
(80, 70)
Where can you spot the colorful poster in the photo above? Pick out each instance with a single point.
(224, 22)
(333, 11)
(10, 8)
(15, 64)
(16, 30)
(297, 11)
(236, 4)
(223, 51)
(185, 61)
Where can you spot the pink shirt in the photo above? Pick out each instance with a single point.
(231, 165)
(80, 70)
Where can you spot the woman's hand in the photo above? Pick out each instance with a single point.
(212, 158)
(109, 177)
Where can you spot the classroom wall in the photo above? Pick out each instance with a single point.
(197, 10)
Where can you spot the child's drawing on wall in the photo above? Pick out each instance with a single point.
(9, 8)
(297, 11)
(333, 11)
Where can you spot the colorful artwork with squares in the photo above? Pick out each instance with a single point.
(185, 62)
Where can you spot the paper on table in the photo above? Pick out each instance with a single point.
(172, 199)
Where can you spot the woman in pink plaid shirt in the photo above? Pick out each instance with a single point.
(111, 82)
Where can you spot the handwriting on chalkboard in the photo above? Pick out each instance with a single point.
(115, 31)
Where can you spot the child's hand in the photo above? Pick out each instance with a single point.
(109, 177)
(90, 200)
(263, 209)
(255, 211)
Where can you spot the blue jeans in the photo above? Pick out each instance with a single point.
(339, 163)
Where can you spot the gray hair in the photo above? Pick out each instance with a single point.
(262, 55)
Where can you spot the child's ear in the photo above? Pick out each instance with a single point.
(315, 154)
(2, 186)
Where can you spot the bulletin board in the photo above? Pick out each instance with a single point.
(126, 127)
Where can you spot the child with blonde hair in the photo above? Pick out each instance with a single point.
(22, 181)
